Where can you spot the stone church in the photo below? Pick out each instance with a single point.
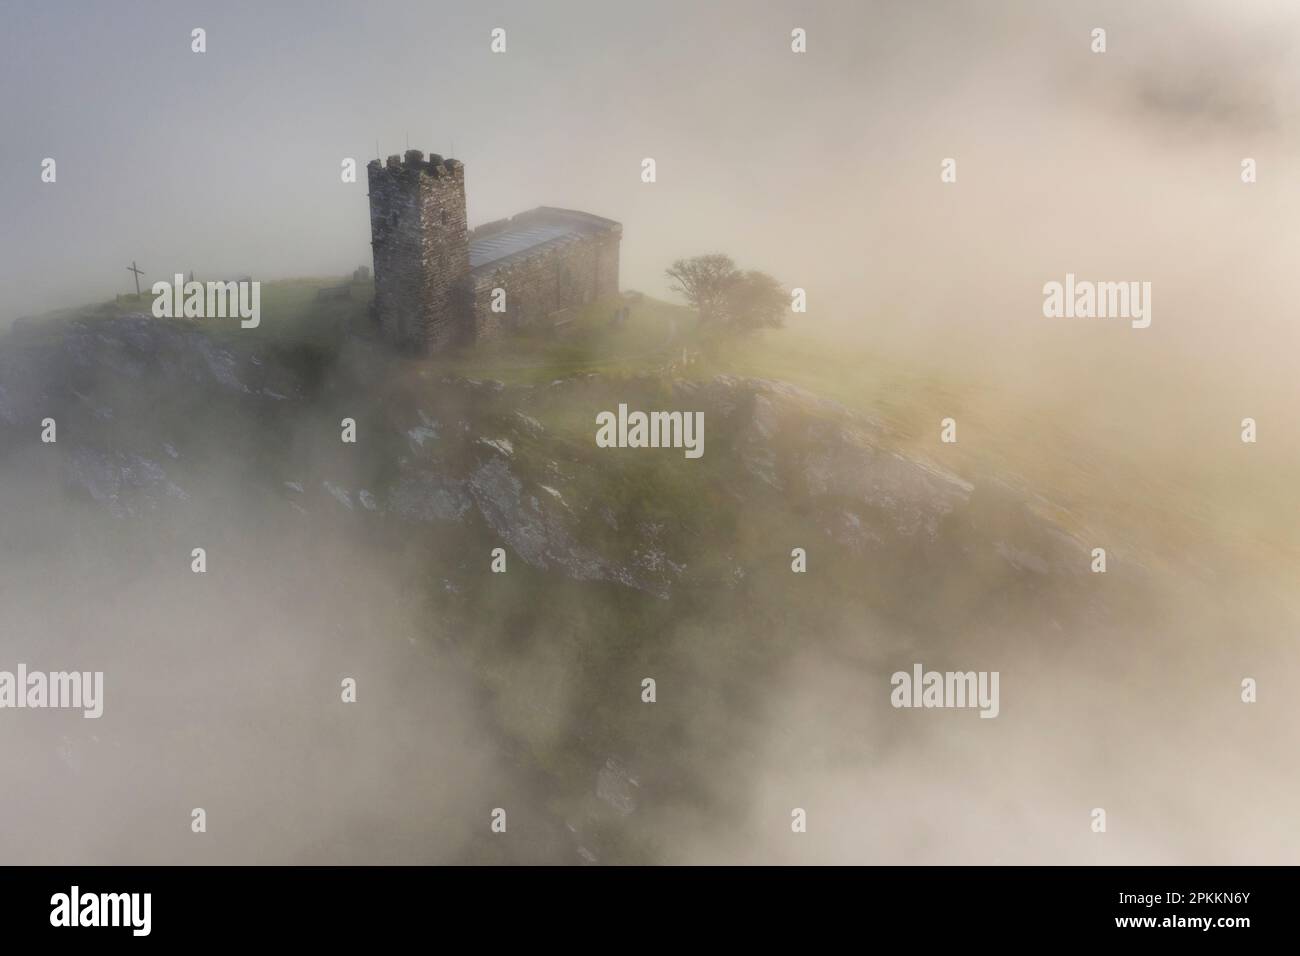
(436, 281)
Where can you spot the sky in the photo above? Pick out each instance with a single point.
(821, 167)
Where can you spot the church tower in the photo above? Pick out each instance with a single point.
(420, 241)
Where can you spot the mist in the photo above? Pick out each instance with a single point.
(822, 169)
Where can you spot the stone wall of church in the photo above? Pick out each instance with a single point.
(540, 288)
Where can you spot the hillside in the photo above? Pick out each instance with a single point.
(373, 559)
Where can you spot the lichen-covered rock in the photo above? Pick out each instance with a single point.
(617, 787)
(430, 497)
(127, 484)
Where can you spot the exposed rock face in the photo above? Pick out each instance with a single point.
(430, 497)
(482, 457)
(37, 363)
(537, 529)
(616, 786)
(126, 484)
(109, 385)
(799, 443)
(913, 496)
(798, 447)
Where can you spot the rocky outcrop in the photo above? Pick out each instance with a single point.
(482, 455)
(128, 485)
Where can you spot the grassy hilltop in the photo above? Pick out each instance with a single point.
(1078, 471)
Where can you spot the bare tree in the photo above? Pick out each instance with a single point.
(704, 281)
(727, 299)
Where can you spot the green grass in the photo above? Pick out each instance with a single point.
(1082, 477)
(291, 313)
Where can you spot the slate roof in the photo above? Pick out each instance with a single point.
(498, 244)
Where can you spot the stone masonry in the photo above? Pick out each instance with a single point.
(420, 240)
(435, 280)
